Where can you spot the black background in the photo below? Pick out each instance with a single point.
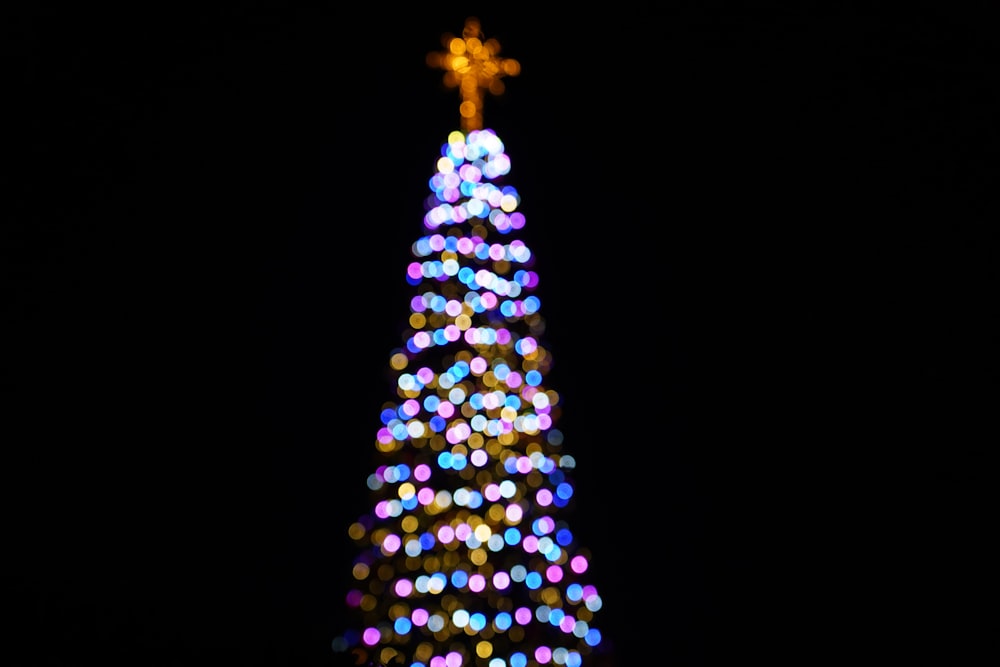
(767, 249)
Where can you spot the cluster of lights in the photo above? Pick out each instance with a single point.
(463, 560)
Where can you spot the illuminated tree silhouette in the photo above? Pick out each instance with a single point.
(466, 557)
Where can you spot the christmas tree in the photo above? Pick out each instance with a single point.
(466, 557)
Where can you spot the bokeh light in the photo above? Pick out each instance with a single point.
(467, 557)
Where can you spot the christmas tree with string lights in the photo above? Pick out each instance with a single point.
(466, 557)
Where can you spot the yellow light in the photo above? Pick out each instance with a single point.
(483, 532)
(424, 651)
(472, 65)
(398, 361)
(356, 530)
(550, 596)
(445, 165)
(360, 571)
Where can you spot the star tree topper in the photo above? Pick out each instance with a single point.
(472, 65)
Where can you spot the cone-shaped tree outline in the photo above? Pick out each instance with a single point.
(466, 557)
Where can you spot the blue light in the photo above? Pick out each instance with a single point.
(459, 578)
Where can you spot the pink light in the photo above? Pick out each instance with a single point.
(371, 636)
(458, 433)
(404, 587)
(477, 582)
(391, 544)
(478, 365)
(496, 251)
(425, 496)
(501, 580)
(543, 654)
(445, 534)
(514, 513)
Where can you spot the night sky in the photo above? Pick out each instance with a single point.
(767, 249)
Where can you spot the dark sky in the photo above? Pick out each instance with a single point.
(767, 250)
